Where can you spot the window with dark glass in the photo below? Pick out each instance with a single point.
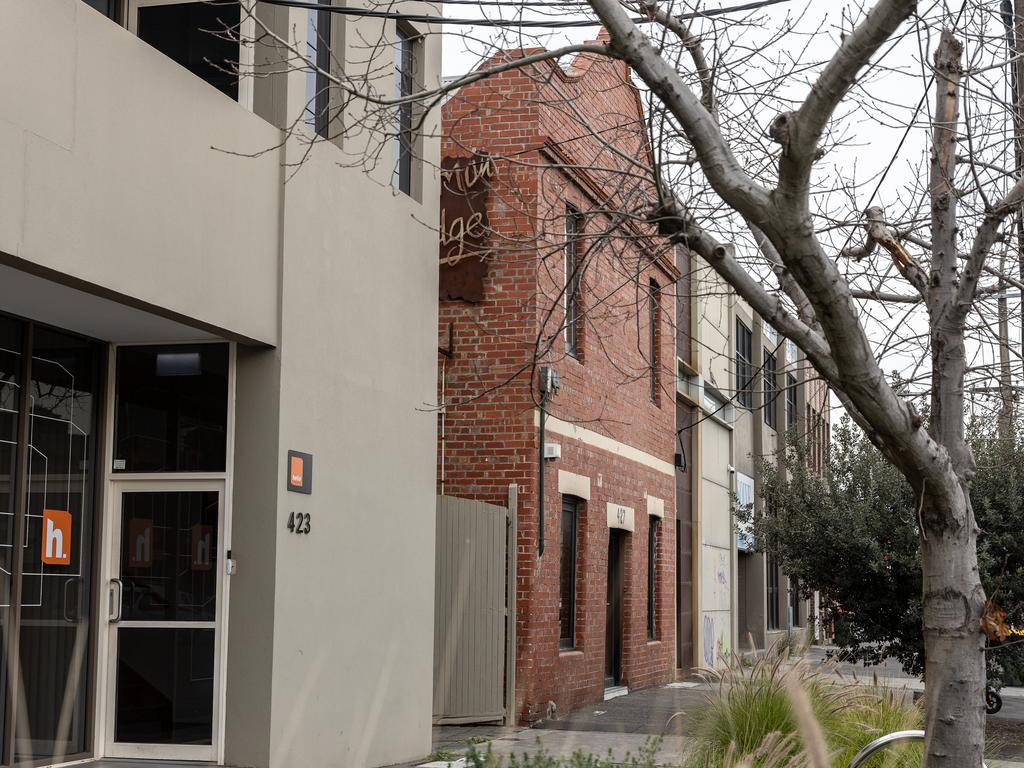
(652, 576)
(773, 592)
(791, 408)
(744, 365)
(794, 602)
(573, 268)
(318, 87)
(109, 8)
(199, 37)
(405, 72)
(567, 573)
(171, 409)
(653, 311)
(771, 390)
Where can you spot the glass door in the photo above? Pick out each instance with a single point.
(163, 602)
(49, 381)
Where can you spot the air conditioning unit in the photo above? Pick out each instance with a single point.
(552, 451)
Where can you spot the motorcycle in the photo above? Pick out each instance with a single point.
(993, 701)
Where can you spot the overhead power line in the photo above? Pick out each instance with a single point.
(483, 22)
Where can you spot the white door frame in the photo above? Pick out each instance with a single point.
(109, 530)
(247, 31)
(161, 751)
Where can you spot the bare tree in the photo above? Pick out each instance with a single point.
(825, 321)
(742, 175)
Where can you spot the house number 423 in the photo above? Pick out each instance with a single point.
(298, 522)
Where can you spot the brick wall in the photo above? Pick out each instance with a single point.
(564, 136)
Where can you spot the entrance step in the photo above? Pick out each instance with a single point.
(615, 691)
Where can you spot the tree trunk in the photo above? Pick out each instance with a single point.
(954, 645)
(953, 595)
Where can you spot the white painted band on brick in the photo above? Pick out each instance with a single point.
(605, 443)
(655, 506)
(620, 516)
(570, 484)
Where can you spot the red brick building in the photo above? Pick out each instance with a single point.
(548, 263)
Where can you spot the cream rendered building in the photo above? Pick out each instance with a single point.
(746, 387)
(175, 321)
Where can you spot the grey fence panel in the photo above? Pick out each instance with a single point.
(469, 611)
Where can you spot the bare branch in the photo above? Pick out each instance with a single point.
(986, 236)
(809, 121)
(879, 233)
(724, 172)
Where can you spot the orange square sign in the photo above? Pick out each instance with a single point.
(300, 472)
(56, 537)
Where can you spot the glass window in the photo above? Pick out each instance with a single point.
(791, 410)
(11, 342)
(164, 685)
(573, 269)
(56, 562)
(197, 36)
(169, 555)
(567, 573)
(108, 8)
(652, 576)
(771, 390)
(172, 409)
(744, 365)
(773, 592)
(405, 70)
(318, 87)
(794, 603)
(653, 303)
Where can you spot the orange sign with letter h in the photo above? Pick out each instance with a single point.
(56, 537)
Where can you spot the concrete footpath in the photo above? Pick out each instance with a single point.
(626, 725)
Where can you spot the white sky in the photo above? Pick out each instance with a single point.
(897, 87)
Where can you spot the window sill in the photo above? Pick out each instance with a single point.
(653, 641)
(568, 653)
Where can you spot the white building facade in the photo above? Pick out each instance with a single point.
(216, 339)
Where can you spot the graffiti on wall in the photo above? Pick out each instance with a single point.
(715, 638)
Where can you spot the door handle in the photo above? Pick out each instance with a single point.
(68, 583)
(114, 618)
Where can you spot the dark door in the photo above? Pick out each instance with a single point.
(613, 619)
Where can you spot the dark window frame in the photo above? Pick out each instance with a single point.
(769, 376)
(653, 531)
(744, 365)
(567, 578)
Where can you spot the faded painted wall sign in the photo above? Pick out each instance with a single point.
(464, 232)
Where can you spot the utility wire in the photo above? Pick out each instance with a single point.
(520, 23)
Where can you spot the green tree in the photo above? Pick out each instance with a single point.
(852, 535)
